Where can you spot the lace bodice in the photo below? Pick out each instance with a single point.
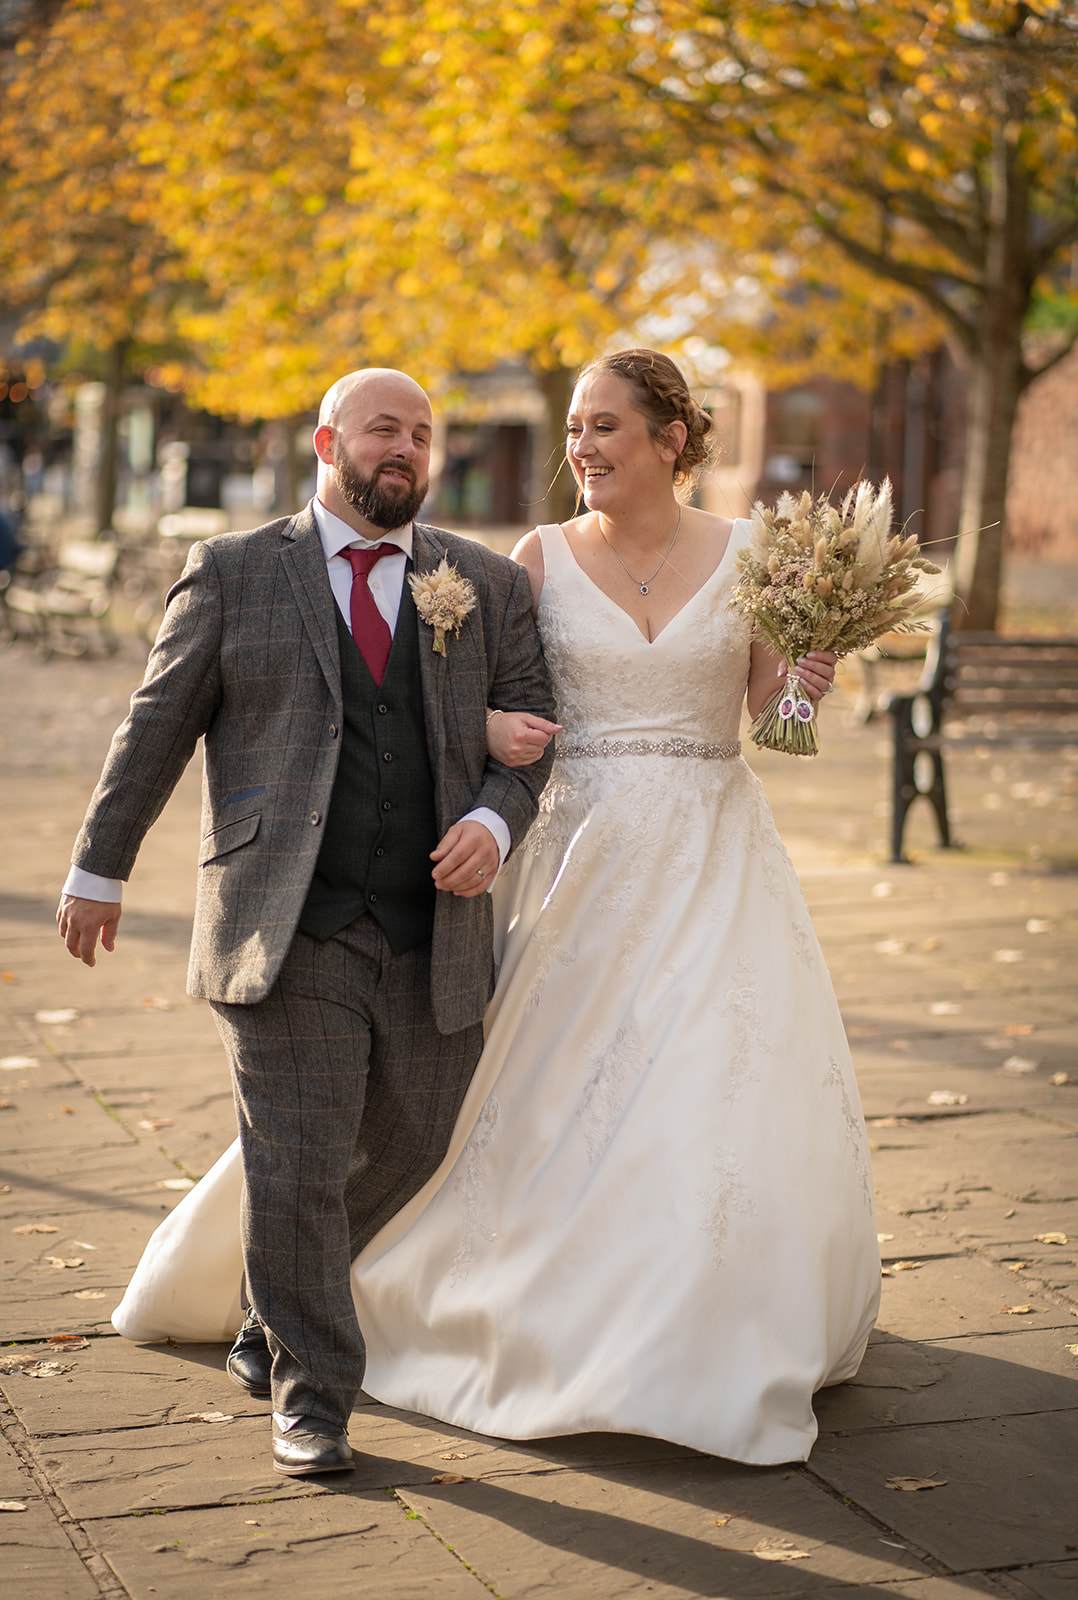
(612, 684)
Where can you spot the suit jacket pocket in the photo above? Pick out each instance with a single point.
(228, 837)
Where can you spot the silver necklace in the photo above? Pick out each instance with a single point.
(643, 582)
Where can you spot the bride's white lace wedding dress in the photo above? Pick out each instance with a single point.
(656, 1216)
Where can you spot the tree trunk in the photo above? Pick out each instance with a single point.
(558, 488)
(108, 461)
(993, 406)
(996, 381)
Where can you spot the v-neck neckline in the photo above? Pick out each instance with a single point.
(665, 629)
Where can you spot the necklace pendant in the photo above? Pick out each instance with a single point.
(643, 588)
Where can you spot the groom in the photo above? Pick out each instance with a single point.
(344, 753)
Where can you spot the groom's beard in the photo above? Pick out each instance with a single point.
(384, 505)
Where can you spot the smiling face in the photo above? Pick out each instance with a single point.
(373, 444)
(614, 459)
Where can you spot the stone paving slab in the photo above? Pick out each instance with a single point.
(38, 1560)
(698, 1527)
(1009, 1495)
(957, 1296)
(903, 1382)
(322, 1546)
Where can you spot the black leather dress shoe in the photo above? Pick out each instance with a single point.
(308, 1444)
(249, 1361)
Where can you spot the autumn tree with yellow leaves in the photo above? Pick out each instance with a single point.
(442, 184)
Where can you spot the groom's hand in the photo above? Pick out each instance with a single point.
(467, 859)
(80, 921)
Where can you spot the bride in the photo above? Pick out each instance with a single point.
(656, 1215)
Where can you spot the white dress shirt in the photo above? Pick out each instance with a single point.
(386, 583)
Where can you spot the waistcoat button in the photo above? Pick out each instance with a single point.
(315, 819)
(386, 806)
(388, 756)
(382, 710)
(333, 730)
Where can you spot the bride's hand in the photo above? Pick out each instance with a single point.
(816, 672)
(518, 739)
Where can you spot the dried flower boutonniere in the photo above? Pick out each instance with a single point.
(443, 599)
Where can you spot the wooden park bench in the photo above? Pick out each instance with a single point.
(978, 689)
(65, 607)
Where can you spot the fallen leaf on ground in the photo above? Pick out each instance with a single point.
(55, 1018)
(1018, 1066)
(1019, 1030)
(7, 1105)
(1058, 1079)
(46, 1369)
(946, 1097)
(900, 1044)
(9, 977)
(454, 1455)
(1051, 1238)
(36, 1227)
(69, 1341)
(176, 1183)
(1009, 1213)
(205, 1416)
(892, 947)
(89, 1294)
(1016, 1266)
(1071, 1349)
(1037, 925)
(890, 1122)
(151, 1124)
(1016, 1311)
(152, 1003)
(12, 1505)
(862, 1030)
(722, 1519)
(882, 891)
(944, 1008)
(884, 1238)
(906, 1266)
(931, 943)
(779, 1550)
(449, 1477)
(65, 1261)
(911, 1484)
(18, 1063)
(1008, 956)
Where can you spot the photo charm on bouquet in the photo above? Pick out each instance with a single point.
(820, 578)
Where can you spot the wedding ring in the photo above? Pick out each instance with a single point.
(830, 689)
(479, 872)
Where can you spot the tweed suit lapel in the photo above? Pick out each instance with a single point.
(304, 562)
(427, 552)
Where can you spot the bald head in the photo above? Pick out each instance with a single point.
(378, 387)
(373, 443)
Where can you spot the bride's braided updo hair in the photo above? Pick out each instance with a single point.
(662, 396)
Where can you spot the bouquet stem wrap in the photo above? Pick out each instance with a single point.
(788, 722)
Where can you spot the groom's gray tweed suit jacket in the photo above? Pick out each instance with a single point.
(248, 656)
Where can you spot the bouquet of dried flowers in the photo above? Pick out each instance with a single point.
(443, 599)
(817, 577)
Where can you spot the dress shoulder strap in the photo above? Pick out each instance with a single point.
(557, 557)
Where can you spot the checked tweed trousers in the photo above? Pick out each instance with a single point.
(346, 1095)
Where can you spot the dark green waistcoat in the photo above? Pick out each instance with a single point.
(380, 828)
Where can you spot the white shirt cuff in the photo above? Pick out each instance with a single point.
(88, 886)
(499, 828)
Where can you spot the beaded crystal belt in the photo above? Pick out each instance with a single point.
(652, 747)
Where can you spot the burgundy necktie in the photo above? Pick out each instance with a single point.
(370, 630)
